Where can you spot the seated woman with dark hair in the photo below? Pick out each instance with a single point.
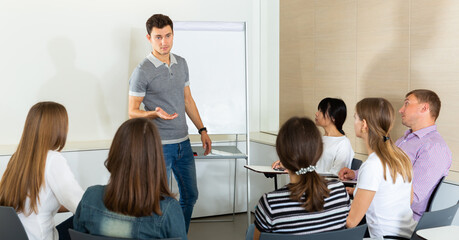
(309, 203)
(137, 202)
(337, 149)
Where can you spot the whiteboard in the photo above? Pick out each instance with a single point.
(216, 57)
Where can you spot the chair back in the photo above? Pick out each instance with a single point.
(434, 194)
(75, 235)
(434, 219)
(10, 225)
(348, 234)
(356, 164)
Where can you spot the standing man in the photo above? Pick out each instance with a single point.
(161, 82)
(429, 154)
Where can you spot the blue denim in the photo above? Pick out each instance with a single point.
(250, 232)
(94, 218)
(63, 228)
(179, 157)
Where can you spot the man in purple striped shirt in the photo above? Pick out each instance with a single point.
(429, 154)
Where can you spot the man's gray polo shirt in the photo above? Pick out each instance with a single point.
(163, 86)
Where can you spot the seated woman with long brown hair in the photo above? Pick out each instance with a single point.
(137, 202)
(384, 187)
(309, 203)
(37, 181)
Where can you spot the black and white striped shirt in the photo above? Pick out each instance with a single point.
(277, 213)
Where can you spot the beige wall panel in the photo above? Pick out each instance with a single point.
(436, 69)
(434, 24)
(454, 166)
(382, 55)
(297, 16)
(296, 102)
(295, 99)
(371, 48)
(335, 26)
(382, 16)
(338, 64)
(453, 176)
(383, 74)
(434, 60)
(306, 53)
(296, 85)
(344, 42)
(380, 41)
(296, 58)
(334, 17)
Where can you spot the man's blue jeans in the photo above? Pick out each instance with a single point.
(179, 157)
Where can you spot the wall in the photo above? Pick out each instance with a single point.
(78, 53)
(269, 66)
(262, 155)
(86, 30)
(354, 49)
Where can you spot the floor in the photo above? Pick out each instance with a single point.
(219, 230)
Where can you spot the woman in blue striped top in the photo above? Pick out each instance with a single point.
(309, 203)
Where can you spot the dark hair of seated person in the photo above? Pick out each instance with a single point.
(138, 180)
(299, 145)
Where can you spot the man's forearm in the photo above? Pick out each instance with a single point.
(137, 113)
(192, 112)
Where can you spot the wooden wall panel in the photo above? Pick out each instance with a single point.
(370, 48)
(335, 46)
(435, 61)
(297, 59)
(383, 55)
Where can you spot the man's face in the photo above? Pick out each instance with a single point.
(161, 40)
(410, 111)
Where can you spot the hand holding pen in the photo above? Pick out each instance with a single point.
(277, 165)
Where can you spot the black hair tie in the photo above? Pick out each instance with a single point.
(385, 138)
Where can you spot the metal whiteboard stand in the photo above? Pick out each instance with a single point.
(228, 152)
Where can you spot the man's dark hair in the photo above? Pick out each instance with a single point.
(158, 21)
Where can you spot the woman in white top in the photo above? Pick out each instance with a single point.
(337, 149)
(37, 181)
(338, 152)
(384, 190)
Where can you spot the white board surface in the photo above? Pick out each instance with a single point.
(215, 53)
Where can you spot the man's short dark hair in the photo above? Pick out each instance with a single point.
(158, 21)
(430, 97)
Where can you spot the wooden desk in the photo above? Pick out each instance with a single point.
(440, 233)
